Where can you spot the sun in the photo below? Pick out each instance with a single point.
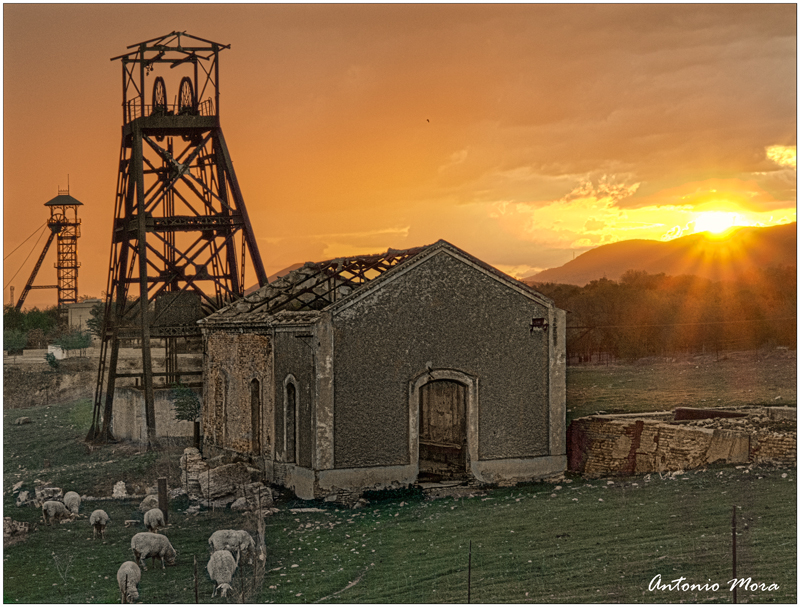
(715, 222)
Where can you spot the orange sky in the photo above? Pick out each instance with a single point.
(523, 134)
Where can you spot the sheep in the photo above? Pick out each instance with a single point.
(233, 540)
(72, 501)
(152, 545)
(98, 520)
(53, 511)
(221, 567)
(128, 578)
(153, 519)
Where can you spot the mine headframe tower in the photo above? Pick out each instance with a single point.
(181, 233)
(65, 229)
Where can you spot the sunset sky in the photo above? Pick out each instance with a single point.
(524, 134)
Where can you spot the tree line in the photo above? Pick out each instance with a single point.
(37, 329)
(645, 314)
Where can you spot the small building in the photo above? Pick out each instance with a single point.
(80, 313)
(380, 371)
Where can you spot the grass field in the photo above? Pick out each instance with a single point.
(576, 541)
(737, 378)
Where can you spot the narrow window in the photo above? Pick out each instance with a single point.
(255, 415)
(290, 416)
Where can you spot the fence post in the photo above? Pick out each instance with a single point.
(469, 574)
(163, 502)
(733, 534)
(196, 594)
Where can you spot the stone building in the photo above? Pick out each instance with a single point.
(379, 371)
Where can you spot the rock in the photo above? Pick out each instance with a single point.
(240, 504)
(131, 522)
(224, 480)
(22, 420)
(16, 486)
(23, 499)
(360, 503)
(152, 490)
(148, 503)
(192, 466)
(193, 509)
(44, 494)
(120, 491)
(255, 491)
(176, 493)
(14, 531)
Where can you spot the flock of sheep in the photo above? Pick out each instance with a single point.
(150, 544)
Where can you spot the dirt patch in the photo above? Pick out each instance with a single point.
(36, 385)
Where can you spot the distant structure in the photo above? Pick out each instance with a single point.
(65, 228)
(381, 371)
(181, 233)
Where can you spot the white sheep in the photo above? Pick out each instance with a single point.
(152, 545)
(153, 519)
(53, 511)
(72, 501)
(128, 578)
(237, 541)
(221, 567)
(98, 520)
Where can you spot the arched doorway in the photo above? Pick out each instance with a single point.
(442, 430)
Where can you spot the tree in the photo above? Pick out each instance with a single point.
(187, 408)
(95, 323)
(14, 341)
(74, 340)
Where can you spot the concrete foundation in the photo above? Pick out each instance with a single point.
(129, 420)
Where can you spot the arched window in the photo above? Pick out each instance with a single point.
(255, 416)
(290, 417)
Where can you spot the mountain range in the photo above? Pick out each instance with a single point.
(712, 256)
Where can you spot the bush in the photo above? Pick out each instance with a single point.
(74, 340)
(186, 403)
(14, 341)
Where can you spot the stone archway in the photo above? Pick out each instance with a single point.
(443, 426)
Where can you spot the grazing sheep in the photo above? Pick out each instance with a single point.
(152, 545)
(72, 501)
(153, 519)
(221, 568)
(53, 511)
(128, 578)
(234, 540)
(98, 520)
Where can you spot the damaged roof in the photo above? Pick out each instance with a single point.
(298, 297)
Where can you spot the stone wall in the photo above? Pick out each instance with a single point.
(607, 445)
(129, 420)
(232, 362)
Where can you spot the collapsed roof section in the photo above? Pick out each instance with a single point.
(312, 287)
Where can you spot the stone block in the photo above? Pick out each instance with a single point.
(119, 491)
(223, 481)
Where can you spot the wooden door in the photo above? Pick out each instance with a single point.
(442, 429)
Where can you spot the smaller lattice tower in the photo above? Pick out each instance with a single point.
(65, 228)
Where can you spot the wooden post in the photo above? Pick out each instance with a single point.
(196, 594)
(469, 574)
(733, 533)
(163, 502)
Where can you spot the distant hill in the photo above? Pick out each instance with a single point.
(742, 250)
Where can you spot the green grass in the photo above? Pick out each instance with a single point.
(734, 380)
(592, 542)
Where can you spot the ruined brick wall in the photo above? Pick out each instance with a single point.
(232, 362)
(602, 446)
(774, 448)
